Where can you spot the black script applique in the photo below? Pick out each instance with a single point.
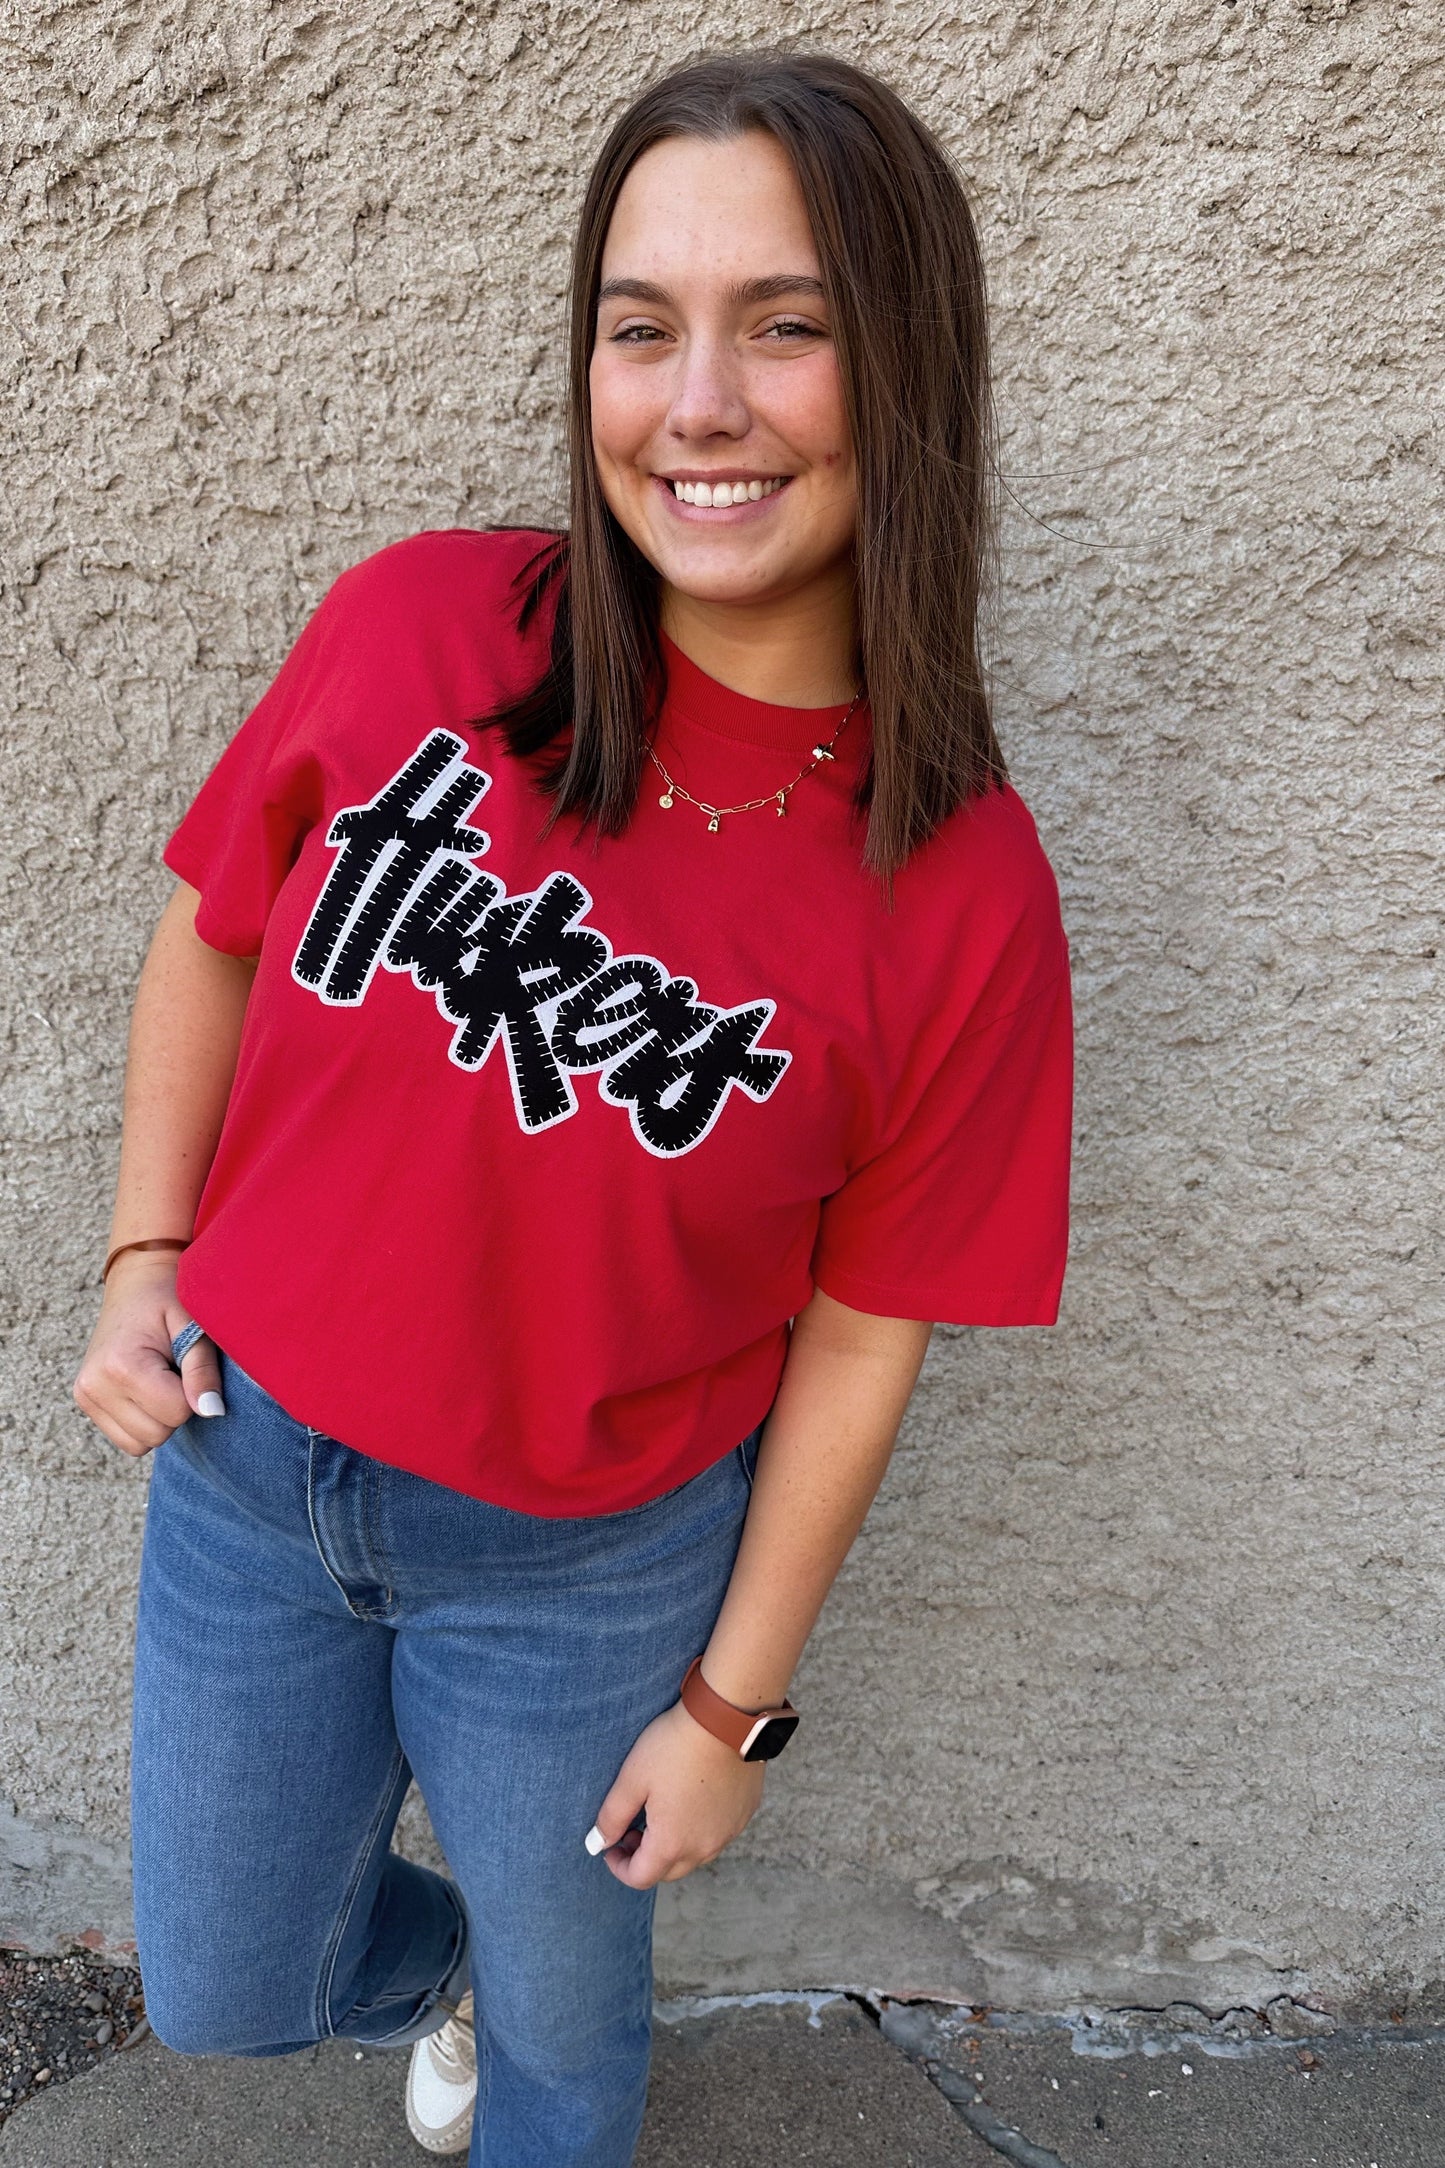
(402, 895)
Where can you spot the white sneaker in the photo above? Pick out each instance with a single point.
(441, 2084)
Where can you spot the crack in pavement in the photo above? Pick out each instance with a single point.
(910, 2033)
(979, 2116)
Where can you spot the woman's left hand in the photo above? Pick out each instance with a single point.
(699, 1795)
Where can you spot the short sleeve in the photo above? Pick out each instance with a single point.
(245, 826)
(962, 1217)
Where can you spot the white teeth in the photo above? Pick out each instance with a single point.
(719, 495)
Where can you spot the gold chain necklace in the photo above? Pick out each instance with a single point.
(820, 752)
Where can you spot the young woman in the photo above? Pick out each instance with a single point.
(612, 1005)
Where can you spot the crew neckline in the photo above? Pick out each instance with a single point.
(697, 698)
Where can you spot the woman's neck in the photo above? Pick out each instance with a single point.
(796, 651)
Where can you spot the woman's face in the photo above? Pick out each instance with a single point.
(714, 371)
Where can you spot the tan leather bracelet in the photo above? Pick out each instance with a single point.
(756, 1734)
(151, 1242)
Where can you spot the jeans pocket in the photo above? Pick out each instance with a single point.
(185, 1339)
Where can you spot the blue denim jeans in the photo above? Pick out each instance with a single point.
(315, 1627)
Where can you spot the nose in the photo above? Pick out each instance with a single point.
(707, 393)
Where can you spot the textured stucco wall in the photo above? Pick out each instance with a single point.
(1131, 1688)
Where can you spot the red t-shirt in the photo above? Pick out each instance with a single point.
(535, 1147)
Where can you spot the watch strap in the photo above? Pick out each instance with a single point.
(737, 1728)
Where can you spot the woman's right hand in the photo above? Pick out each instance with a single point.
(127, 1383)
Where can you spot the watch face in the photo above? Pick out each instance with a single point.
(771, 1738)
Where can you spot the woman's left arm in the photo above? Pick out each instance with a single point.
(824, 1449)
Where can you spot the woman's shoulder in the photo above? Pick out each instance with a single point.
(443, 607)
(443, 567)
(989, 848)
(986, 890)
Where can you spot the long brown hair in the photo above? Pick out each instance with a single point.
(904, 282)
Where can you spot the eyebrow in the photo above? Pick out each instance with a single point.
(742, 294)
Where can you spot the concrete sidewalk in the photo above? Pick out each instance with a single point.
(783, 2085)
(1122, 2094)
(741, 2088)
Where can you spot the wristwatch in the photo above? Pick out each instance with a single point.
(757, 1734)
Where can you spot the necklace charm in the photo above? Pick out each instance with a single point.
(715, 813)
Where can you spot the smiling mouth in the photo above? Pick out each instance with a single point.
(720, 496)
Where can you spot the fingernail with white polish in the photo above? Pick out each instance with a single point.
(210, 1404)
(595, 1841)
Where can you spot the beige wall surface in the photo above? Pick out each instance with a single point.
(1130, 1691)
